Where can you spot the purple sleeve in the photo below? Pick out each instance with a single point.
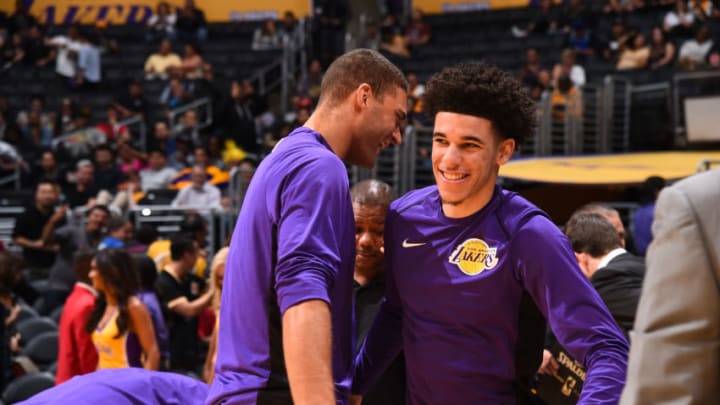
(384, 340)
(312, 216)
(548, 268)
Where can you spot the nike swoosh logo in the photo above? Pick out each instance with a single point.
(407, 244)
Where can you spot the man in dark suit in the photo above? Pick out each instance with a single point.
(616, 274)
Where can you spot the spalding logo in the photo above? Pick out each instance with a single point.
(474, 256)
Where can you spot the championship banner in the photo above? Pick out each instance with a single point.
(63, 12)
(452, 6)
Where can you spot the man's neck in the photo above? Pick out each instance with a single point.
(365, 277)
(43, 209)
(605, 260)
(175, 270)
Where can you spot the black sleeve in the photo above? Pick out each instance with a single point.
(167, 288)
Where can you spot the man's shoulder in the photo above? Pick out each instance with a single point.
(626, 262)
(414, 199)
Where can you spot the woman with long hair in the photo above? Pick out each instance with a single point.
(120, 324)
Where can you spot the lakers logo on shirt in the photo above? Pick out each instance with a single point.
(474, 256)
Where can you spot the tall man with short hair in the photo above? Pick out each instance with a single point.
(286, 333)
(464, 255)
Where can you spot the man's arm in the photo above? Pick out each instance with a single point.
(49, 228)
(310, 376)
(189, 309)
(675, 354)
(574, 310)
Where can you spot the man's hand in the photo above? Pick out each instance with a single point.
(548, 366)
(355, 399)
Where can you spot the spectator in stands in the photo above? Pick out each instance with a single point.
(662, 51)
(111, 127)
(623, 6)
(120, 324)
(565, 100)
(616, 274)
(133, 103)
(67, 48)
(157, 64)
(543, 22)
(309, 83)
(66, 116)
(10, 268)
(12, 52)
(529, 72)
(239, 118)
(175, 94)
(266, 37)
(704, 9)
(83, 191)
(37, 105)
(47, 170)
(574, 13)
(693, 52)
(39, 133)
(190, 25)
(158, 175)
(182, 298)
(215, 152)
(217, 274)
(70, 238)
(188, 129)
(119, 233)
(415, 94)
(635, 55)
(288, 25)
(29, 229)
(76, 353)
(37, 52)
(88, 65)
(147, 274)
(192, 62)
(568, 67)
(163, 141)
(619, 36)
(130, 159)
(370, 37)
(679, 21)
(643, 215)
(394, 43)
(20, 20)
(417, 32)
(161, 25)
(200, 193)
(330, 18)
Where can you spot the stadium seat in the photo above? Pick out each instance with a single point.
(42, 349)
(33, 327)
(26, 386)
(25, 313)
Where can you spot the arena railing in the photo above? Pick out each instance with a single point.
(690, 84)
(136, 125)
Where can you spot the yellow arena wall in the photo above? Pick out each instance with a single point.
(137, 11)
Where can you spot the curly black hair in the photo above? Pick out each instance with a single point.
(485, 91)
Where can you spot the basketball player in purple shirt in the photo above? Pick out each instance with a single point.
(462, 255)
(286, 332)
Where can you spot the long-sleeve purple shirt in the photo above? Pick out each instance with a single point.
(453, 291)
(294, 241)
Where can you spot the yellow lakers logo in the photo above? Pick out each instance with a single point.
(474, 256)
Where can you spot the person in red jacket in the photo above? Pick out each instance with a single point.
(76, 351)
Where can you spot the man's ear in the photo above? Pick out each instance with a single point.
(506, 147)
(362, 94)
(583, 260)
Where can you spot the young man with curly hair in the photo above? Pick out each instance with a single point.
(467, 261)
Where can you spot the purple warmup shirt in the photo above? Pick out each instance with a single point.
(454, 288)
(294, 241)
(124, 386)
